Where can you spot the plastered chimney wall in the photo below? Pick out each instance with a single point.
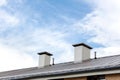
(44, 59)
(81, 52)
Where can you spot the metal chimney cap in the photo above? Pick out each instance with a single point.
(82, 44)
(45, 52)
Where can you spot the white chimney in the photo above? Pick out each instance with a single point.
(44, 59)
(81, 52)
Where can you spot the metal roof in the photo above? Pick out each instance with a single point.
(104, 63)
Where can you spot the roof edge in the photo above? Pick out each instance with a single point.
(68, 72)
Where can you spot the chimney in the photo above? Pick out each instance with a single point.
(44, 59)
(81, 52)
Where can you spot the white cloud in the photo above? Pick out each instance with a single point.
(11, 58)
(107, 51)
(104, 24)
(53, 41)
(7, 19)
(3, 2)
(17, 49)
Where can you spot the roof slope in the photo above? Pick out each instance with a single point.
(64, 68)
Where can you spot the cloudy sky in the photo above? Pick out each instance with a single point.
(31, 26)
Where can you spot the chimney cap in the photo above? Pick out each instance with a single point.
(45, 52)
(82, 44)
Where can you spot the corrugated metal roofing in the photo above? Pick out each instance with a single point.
(64, 68)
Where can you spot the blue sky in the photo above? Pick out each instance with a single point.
(31, 26)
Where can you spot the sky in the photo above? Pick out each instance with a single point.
(31, 26)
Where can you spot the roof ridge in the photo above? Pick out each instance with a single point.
(107, 56)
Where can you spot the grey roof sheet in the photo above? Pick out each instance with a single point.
(62, 68)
